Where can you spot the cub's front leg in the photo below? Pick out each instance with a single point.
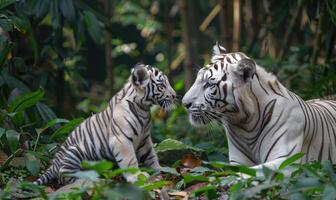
(125, 157)
(146, 154)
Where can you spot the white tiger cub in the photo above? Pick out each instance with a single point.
(265, 123)
(120, 133)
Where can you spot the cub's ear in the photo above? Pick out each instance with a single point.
(140, 75)
(218, 49)
(245, 69)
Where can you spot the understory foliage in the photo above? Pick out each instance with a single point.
(61, 61)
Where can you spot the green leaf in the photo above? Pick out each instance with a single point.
(12, 139)
(67, 9)
(14, 83)
(327, 166)
(32, 164)
(188, 179)
(86, 175)
(169, 170)
(25, 101)
(92, 25)
(6, 49)
(291, 160)
(51, 123)
(98, 166)
(66, 129)
(209, 191)
(156, 185)
(5, 3)
(119, 171)
(170, 144)
(46, 113)
(2, 132)
(329, 193)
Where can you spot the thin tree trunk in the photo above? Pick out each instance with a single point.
(108, 48)
(317, 39)
(331, 43)
(289, 32)
(254, 24)
(187, 42)
(224, 18)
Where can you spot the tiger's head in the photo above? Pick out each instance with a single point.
(213, 96)
(153, 86)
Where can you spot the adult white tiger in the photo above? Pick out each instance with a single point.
(120, 133)
(265, 123)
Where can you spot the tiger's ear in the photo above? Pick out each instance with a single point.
(218, 49)
(140, 75)
(245, 69)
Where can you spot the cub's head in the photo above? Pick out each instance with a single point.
(213, 96)
(153, 86)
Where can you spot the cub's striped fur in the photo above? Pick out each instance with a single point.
(120, 133)
(265, 123)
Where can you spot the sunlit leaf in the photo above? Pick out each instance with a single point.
(291, 160)
(156, 185)
(99, 166)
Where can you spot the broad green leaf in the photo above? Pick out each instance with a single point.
(66, 129)
(6, 49)
(119, 171)
(32, 164)
(170, 144)
(327, 166)
(209, 191)
(92, 25)
(46, 113)
(86, 175)
(188, 179)
(5, 3)
(67, 9)
(12, 139)
(169, 170)
(291, 160)
(25, 101)
(99, 166)
(155, 185)
(2, 132)
(14, 83)
(329, 193)
(200, 170)
(51, 123)
(306, 183)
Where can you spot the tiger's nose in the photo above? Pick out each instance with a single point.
(187, 105)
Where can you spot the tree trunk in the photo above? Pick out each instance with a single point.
(224, 19)
(187, 42)
(108, 48)
(289, 32)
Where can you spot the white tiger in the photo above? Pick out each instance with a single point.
(265, 123)
(120, 133)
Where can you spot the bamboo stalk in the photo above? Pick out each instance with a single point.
(214, 12)
(236, 25)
